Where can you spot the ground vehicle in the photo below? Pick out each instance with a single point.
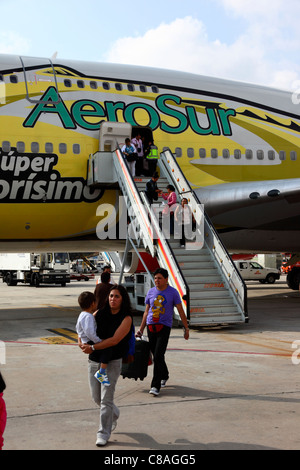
(293, 274)
(35, 268)
(251, 271)
(82, 276)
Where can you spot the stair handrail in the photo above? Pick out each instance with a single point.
(168, 260)
(233, 277)
(129, 189)
(155, 240)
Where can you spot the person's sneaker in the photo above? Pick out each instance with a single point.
(102, 378)
(114, 425)
(163, 383)
(100, 442)
(154, 391)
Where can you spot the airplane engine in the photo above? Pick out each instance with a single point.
(134, 265)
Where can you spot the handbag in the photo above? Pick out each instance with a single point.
(131, 157)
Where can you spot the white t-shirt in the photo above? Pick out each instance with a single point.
(138, 145)
(86, 328)
(184, 215)
(131, 145)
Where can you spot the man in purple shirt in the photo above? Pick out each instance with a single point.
(158, 316)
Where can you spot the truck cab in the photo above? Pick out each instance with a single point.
(252, 271)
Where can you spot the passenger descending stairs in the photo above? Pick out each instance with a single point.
(217, 294)
(212, 289)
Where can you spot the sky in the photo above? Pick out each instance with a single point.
(255, 41)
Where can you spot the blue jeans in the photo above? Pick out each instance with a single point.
(104, 396)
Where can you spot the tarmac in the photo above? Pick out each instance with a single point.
(230, 388)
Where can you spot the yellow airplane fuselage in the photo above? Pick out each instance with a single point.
(222, 132)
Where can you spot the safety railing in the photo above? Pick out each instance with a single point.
(231, 275)
(148, 229)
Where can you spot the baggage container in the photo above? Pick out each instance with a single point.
(138, 369)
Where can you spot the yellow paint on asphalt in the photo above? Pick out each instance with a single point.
(263, 342)
(65, 336)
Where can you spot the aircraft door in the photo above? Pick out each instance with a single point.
(142, 167)
(39, 74)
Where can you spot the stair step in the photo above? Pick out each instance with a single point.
(208, 294)
(213, 309)
(212, 320)
(198, 274)
(206, 279)
(212, 301)
(194, 256)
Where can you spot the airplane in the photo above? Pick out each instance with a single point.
(238, 144)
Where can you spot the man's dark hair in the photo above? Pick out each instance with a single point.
(86, 299)
(163, 272)
(105, 277)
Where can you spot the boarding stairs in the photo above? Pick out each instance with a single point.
(211, 287)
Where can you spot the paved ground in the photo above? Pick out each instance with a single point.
(230, 388)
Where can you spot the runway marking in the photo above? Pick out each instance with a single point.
(60, 307)
(226, 351)
(263, 343)
(218, 351)
(65, 336)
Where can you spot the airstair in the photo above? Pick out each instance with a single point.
(211, 287)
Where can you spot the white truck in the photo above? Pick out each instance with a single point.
(35, 268)
(253, 271)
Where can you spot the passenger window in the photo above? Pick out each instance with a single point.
(35, 147)
(48, 147)
(67, 83)
(118, 86)
(21, 147)
(226, 153)
(13, 79)
(293, 155)
(80, 84)
(202, 153)
(62, 148)
(260, 154)
(214, 153)
(155, 89)
(190, 152)
(143, 88)
(93, 85)
(106, 86)
(237, 154)
(249, 154)
(130, 87)
(282, 155)
(6, 146)
(76, 149)
(178, 152)
(271, 155)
